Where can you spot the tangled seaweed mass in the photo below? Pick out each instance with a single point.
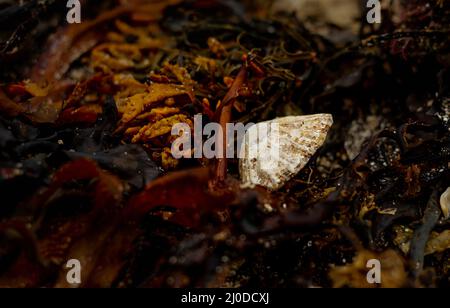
(86, 170)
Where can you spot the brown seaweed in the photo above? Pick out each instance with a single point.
(74, 183)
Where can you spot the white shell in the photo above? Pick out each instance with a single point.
(445, 203)
(273, 152)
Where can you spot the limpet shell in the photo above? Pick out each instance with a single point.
(273, 152)
(445, 203)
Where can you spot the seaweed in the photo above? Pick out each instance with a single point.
(81, 178)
